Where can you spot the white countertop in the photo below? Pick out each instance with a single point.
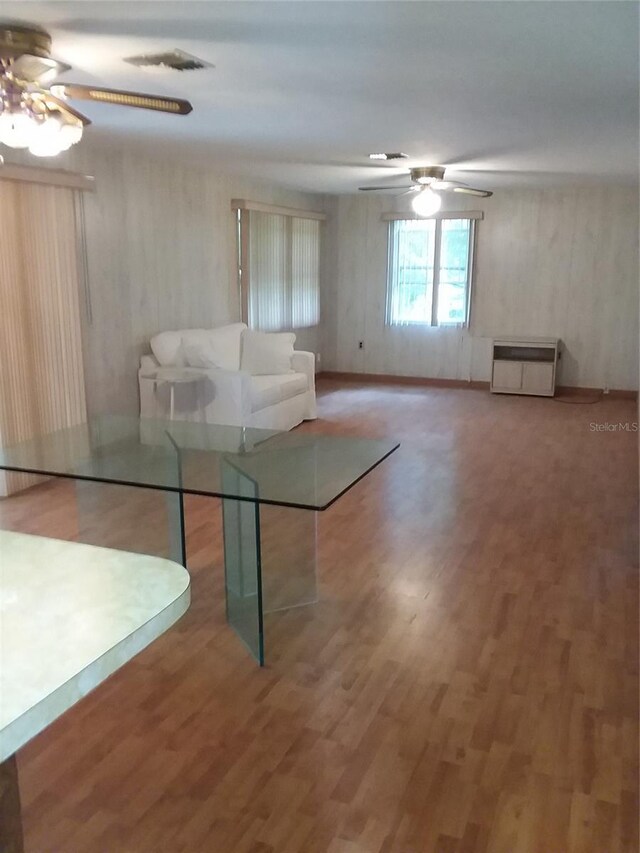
(70, 616)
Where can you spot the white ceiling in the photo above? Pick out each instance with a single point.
(506, 93)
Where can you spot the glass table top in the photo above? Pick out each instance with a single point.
(295, 469)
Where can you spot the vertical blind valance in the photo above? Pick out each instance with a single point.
(280, 210)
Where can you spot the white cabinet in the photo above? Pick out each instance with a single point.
(507, 375)
(538, 378)
(524, 366)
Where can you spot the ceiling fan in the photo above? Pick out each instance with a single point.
(427, 182)
(37, 115)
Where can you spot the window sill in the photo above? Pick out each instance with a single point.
(416, 324)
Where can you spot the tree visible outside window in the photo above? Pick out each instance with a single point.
(429, 278)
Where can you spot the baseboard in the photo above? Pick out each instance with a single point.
(613, 393)
(387, 379)
(426, 381)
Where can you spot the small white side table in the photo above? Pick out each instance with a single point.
(183, 377)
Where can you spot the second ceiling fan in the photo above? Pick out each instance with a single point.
(427, 182)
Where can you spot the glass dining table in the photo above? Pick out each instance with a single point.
(131, 475)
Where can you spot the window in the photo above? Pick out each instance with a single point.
(279, 270)
(429, 277)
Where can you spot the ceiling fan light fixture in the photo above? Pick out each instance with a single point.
(45, 141)
(57, 90)
(426, 202)
(54, 136)
(36, 116)
(427, 174)
(17, 128)
(47, 147)
(71, 134)
(32, 119)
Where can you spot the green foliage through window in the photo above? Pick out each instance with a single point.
(429, 271)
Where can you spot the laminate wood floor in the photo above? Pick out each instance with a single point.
(467, 682)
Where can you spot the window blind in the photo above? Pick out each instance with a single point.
(281, 272)
(305, 264)
(41, 365)
(267, 297)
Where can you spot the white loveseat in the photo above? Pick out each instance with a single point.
(241, 377)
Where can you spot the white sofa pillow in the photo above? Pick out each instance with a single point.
(198, 352)
(267, 353)
(225, 343)
(206, 347)
(167, 348)
(214, 347)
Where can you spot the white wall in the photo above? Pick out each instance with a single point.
(551, 262)
(161, 254)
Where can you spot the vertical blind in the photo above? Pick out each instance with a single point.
(283, 260)
(41, 368)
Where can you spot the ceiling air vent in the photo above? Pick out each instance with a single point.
(394, 155)
(178, 60)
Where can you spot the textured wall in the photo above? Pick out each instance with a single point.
(552, 262)
(161, 254)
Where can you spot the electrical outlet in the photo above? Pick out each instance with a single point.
(361, 345)
(318, 359)
(605, 390)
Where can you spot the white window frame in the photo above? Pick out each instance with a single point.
(432, 321)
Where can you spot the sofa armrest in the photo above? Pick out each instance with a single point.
(148, 364)
(305, 362)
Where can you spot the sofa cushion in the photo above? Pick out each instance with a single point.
(267, 353)
(269, 390)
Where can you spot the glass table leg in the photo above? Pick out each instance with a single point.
(288, 547)
(242, 559)
(269, 558)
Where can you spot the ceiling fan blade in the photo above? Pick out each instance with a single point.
(122, 98)
(471, 191)
(41, 69)
(66, 108)
(400, 187)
